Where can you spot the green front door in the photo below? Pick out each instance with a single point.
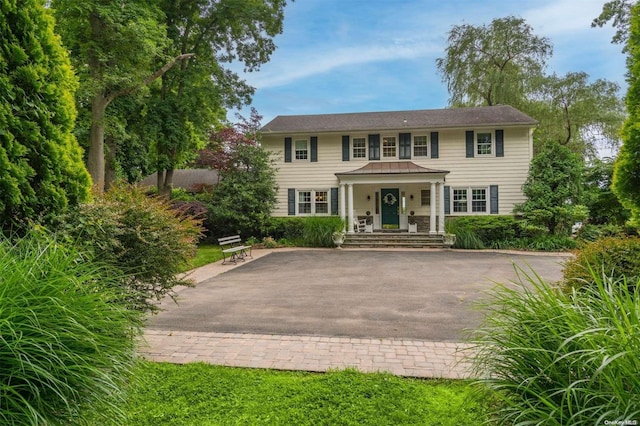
(390, 208)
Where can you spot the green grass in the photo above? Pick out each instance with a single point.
(201, 394)
(207, 253)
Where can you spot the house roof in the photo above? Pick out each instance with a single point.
(501, 115)
(189, 179)
(392, 167)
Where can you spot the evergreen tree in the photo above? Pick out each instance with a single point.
(41, 167)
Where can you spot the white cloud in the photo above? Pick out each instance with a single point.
(563, 17)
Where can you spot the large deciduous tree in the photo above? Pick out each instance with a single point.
(193, 97)
(41, 167)
(619, 12)
(626, 175)
(494, 64)
(114, 45)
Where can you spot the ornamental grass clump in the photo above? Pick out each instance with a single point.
(66, 348)
(562, 358)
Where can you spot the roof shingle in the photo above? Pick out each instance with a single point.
(502, 115)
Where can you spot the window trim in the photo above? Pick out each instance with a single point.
(313, 195)
(295, 150)
(426, 145)
(492, 134)
(469, 202)
(366, 148)
(395, 147)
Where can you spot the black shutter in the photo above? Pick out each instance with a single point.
(334, 201)
(447, 197)
(287, 150)
(405, 146)
(291, 200)
(469, 142)
(434, 145)
(499, 143)
(345, 148)
(374, 147)
(493, 197)
(314, 149)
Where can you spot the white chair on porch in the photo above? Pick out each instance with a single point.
(359, 225)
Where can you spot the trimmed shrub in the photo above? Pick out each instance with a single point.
(615, 257)
(561, 358)
(318, 231)
(490, 228)
(67, 349)
(289, 228)
(140, 235)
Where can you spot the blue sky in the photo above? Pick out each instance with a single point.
(379, 55)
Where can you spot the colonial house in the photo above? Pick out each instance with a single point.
(401, 167)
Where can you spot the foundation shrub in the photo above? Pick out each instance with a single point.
(613, 256)
(561, 358)
(142, 236)
(67, 347)
(288, 228)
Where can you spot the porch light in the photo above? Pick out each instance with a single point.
(368, 197)
(411, 196)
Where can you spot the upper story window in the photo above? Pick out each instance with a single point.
(302, 150)
(484, 144)
(359, 148)
(420, 144)
(389, 148)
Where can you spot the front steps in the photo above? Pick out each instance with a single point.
(394, 239)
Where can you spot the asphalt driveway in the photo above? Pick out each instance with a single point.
(425, 295)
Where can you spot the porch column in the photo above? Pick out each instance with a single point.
(350, 217)
(441, 208)
(343, 205)
(432, 213)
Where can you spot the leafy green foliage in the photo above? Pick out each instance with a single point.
(626, 174)
(612, 256)
(604, 206)
(558, 358)
(318, 230)
(290, 228)
(618, 11)
(553, 188)
(67, 348)
(492, 64)
(41, 168)
(200, 394)
(142, 236)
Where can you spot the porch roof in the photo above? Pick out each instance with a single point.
(391, 168)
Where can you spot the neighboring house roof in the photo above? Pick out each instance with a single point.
(501, 115)
(392, 167)
(189, 179)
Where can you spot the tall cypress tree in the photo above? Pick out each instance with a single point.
(626, 173)
(41, 167)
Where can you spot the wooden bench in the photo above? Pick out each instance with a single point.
(233, 249)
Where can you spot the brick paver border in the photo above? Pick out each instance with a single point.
(403, 357)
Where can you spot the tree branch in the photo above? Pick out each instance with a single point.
(148, 80)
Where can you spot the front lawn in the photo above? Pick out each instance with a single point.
(207, 253)
(201, 394)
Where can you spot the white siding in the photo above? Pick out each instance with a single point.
(508, 172)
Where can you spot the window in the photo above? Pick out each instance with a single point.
(313, 202)
(425, 197)
(477, 203)
(304, 202)
(389, 146)
(479, 200)
(483, 144)
(301, 150)
(460, 200)
(359, 148)
(420, 146)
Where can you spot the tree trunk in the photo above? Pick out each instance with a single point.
(95, 156)
(167, 184)
(159, 180)
(110, 162)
